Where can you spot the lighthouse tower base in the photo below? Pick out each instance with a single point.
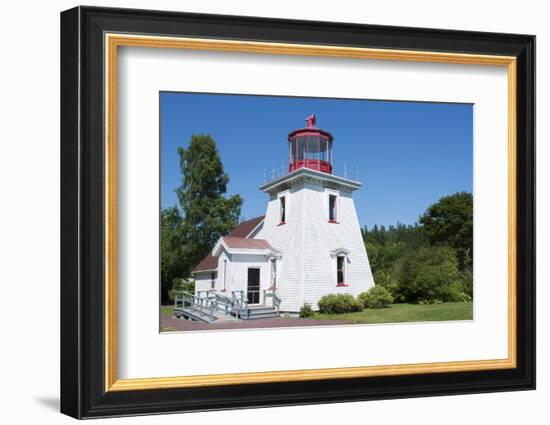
(322, 250)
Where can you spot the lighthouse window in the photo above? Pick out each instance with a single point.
(340, 267)
(332, 208)
(213, 277)
(283, 209)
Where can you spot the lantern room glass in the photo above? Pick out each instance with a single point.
(311, 148)
(323, 149)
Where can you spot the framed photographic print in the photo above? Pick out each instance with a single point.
(261, 212)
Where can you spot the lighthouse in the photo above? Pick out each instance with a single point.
(311, 219)
(309, 242)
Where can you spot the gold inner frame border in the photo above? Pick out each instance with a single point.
(112, 41)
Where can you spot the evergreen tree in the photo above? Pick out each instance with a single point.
(208, 212)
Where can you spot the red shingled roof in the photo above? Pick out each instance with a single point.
(241, 231)
(245, 228)
(247, 243)
(210, 262)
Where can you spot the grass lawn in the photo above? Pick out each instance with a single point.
(167, 309)
(397, 313)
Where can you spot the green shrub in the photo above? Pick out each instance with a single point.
(376, 297)
(458, 293)
(339, 303)
(306, 311)
(388, 280)
(429, 275)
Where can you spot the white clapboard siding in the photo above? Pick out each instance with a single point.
(239, 271)
(236, 274)
(307, 271)
(202, 282)
(287, 238)
(323, 238)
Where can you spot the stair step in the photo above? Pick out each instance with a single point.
(261, 310)
(261, 315)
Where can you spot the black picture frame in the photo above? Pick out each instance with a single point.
(83, 392)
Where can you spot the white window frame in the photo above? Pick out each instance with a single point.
(213, 278)
(282, 209)
(285, 194)
(336, 194)
(335, 218)
(344, 260)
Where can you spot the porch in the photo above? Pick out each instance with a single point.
(210, 306)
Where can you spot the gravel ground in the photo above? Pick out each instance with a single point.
(170, 323)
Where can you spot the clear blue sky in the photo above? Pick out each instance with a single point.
(408, 154)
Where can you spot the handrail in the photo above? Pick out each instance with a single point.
(204, 305)
(241, 303)
(276, 302)
(225, 301)
(237, 305)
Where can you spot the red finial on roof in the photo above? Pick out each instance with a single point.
(310, 121)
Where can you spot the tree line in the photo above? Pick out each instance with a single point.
(429, 261)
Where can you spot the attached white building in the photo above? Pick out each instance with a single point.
(307, 245)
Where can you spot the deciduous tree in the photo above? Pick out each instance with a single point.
(429, 274)
(450, 222)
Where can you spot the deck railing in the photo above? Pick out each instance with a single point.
(338, 170)
(206, 302)
(275, 300)
(240, 303)
(204, 305)
(223, 303)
